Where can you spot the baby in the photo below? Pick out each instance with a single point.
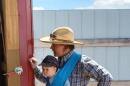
(49, 69)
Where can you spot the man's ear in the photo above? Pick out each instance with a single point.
(66, 49)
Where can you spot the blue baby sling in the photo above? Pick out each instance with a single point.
(63, 74)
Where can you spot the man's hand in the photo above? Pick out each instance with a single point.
(33, 62)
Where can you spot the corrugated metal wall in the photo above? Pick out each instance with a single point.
(90, 24)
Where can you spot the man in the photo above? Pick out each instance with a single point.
(73, 66)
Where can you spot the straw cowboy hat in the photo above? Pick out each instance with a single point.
(61, 35)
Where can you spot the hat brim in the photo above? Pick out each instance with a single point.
(48, 40)
(47, 65)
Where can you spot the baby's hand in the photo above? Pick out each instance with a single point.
(33, 62)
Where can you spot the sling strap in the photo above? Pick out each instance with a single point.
(63, 74)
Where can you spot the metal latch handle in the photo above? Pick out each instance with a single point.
(17, 70)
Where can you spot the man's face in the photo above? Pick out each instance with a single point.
(49, 71)
(58, 49)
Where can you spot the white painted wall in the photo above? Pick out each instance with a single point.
(90, 24)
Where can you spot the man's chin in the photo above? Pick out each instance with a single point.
(55, 55)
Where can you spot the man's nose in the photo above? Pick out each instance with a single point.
(51, 47)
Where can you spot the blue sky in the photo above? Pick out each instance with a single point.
(80, 4)
(61, 4)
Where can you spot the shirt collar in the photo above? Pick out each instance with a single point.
(63, 59)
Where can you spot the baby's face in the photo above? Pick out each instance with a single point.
(49, 71)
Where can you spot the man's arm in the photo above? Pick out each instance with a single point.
(97, 72)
